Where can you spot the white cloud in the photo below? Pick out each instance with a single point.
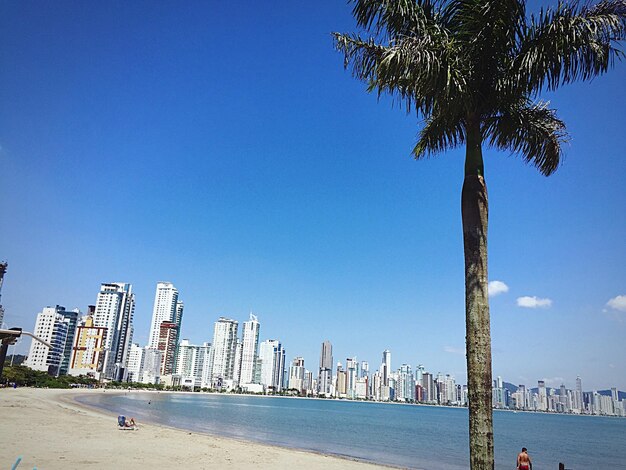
(453, 350)
(497, 287)
(533, 302)
(618, 303)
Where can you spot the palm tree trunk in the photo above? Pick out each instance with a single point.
(474, 210)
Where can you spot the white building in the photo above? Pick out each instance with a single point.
(223, 351)
(51, 326)
(151, 369)
(114, 311)
(272, 357)
(405, 384)
(296, 374)
(135, 363)
(164, 310)
(249, 353)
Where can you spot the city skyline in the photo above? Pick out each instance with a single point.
(233, 353)
(269, 183)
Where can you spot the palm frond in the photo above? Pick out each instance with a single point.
(420, 71)
(394, 18)
(362, 56)
(532, 130)
(570, 43)
(441, 131)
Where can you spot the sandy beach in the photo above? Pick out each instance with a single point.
(50, 430)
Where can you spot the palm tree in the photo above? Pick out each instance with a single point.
(473, 70)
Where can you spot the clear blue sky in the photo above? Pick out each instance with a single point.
(221, 146)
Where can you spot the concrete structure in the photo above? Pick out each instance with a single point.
(72, 317)
(386, 366)
(296, 375)
(168, 337)
(3, 270)
(88, 350)
(51, 326)
(164, 309)
(250, 349)
(223, 351)
(272, 357)
(151, 366)
(115, 307)
(135, 363)
(325, 374)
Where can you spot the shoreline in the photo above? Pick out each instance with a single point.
(50, 429)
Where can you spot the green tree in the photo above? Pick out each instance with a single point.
(473, 70)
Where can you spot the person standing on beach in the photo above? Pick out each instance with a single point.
(523, 460)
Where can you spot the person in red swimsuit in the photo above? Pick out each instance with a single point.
(523, 460)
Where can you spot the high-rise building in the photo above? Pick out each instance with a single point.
(164, 310)
(578, 395)
(542, 396)
(237, 368)
(386, 366)
(89, 347)
(250, 348)
(223, 351)
(115, 307)
(3, 270)
(351, 377)
(51, 326)
(405, 386)
(365, 369)
(340, 386)
(168, 335)
(429, 389)
(72, 321)
(151, 365)
(135, 363)
(272, 357)
(296, 374)
(325, 376)
(190, 363)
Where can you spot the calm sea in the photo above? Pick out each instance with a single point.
(422, 437)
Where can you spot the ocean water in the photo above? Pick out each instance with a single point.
(422, 437)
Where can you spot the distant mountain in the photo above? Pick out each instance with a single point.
(620, 395)
(510, 387)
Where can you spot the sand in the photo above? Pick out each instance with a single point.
(49, 430)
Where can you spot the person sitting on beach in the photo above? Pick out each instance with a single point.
(523, 460)
(131, 423)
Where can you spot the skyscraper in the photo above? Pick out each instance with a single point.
(351, 376)
(386, 366)
(135, 363)
(168, 334)
(165, 309)
(578, 395)
(3, 270)
(72, 320)
(51, 326)
(272, 357)
(223, 350)
(296, 374)
(249, 353)
(114, 311)
(325, 376)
